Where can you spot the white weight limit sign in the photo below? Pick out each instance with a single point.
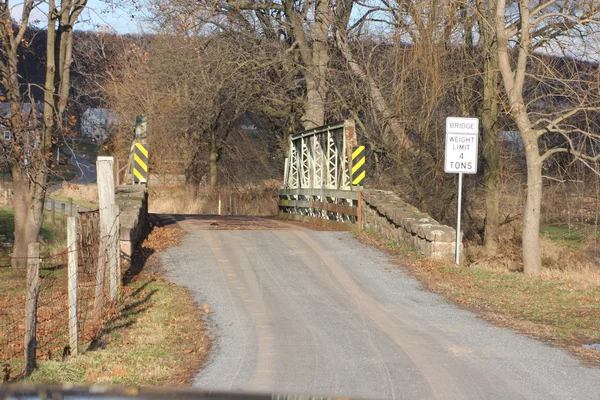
(462, 137)
(461, 145)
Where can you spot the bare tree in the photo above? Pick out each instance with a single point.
(303, 26)
(26, 161)
(31, 144)
(196, 92)
(535, 31)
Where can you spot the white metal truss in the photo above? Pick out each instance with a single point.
(291, 173)
(320, 157)
(305, 163)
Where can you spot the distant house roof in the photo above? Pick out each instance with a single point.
(100, 113)
(5, 110)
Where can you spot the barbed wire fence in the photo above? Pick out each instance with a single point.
(64, 297)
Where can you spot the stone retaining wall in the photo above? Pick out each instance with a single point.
(385, 214)
(133, 205)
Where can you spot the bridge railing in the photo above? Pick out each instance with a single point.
(325, 207)
(317, 186)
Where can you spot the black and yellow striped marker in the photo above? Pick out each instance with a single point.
(140, 163)
(358, 165)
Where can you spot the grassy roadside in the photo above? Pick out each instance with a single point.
(154, 341)
(552, 308)
(50, 233)
(573, 236)
(157, 336)
(79, 202)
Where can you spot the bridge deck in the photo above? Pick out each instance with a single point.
(229, 222)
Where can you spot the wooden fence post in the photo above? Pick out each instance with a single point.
(115, 253)
(63, 212)
(70, 207)
(33, 280)
(117, 168)
(118, 246)
(53, 209)
(359, 218)
(219, 204)
(73, 256)
(106, 199)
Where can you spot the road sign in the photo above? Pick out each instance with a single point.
(140, 163)
(358, 165)
(461, 145)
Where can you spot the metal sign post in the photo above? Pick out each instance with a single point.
(457, 251)
(461, 158)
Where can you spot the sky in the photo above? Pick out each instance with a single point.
(101, 15)
(107, 15)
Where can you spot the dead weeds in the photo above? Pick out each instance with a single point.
(558, 307)
(157, 336)
(250, 199)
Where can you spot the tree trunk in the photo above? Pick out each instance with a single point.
(532, 259)
(491, 154)
(28, 200)
(195, 169)
(514, 80)
(213, 162)
(28, 181)
(49, 89)
(491, 177)
(489, 121)
(318, 67)
(314, 113)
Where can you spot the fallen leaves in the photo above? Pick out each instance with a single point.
(162, 238)
(119, 371)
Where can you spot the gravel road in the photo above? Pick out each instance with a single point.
(301, 311)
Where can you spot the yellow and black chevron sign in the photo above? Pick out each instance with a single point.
(140, 163)
(358, 165)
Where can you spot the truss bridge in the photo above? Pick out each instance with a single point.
(317, 184)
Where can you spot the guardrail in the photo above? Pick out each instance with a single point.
(338, 209)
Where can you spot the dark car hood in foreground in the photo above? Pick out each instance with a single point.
(71, 392)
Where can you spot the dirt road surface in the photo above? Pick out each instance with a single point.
(294, 310)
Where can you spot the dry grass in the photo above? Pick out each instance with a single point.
(576, 265)
(241, 200)
(79, 193)
(570, 238)
(561, 306)
(573, 257)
